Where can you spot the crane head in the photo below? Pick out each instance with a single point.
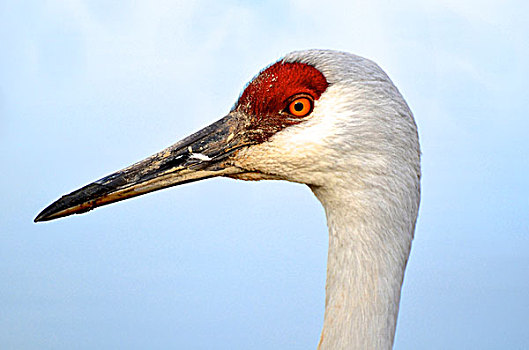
(305, 118)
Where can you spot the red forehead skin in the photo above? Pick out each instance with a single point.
(265, 98)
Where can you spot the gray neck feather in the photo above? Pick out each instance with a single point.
(369, 244)
(371, 213)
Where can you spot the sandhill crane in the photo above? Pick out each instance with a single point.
(333, 121)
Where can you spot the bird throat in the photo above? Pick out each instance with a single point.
(366, 261)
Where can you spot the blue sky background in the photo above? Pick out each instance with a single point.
(88, 87)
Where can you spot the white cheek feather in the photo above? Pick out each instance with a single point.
(309, 152)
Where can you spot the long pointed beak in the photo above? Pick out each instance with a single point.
(202, 155)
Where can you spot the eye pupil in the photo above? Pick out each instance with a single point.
(299, 106)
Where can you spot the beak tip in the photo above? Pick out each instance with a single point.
(39, 218)
(43, 216)
(51, 212)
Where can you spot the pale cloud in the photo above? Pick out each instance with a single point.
(475, 11)
(137, 42)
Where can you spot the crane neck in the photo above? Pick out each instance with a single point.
(370, 236)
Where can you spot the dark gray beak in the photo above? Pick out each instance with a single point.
(202, 155)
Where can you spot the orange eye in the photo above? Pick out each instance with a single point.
(300, 107)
